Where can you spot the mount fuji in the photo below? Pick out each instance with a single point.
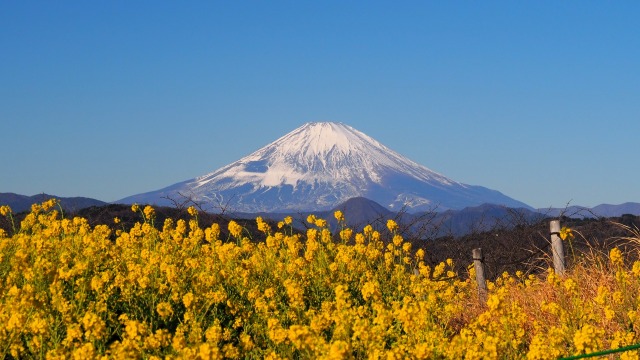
(319, 166)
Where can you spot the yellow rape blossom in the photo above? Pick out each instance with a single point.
(187, 300)
(73, 290)
(368, 230)
(235, 229)
(345, 234)
(192, 211)
(5, 210)
(615, 255)
(339, 350)
(587, 339)
(566, 233)
(321, 223)
(49, 204)
(149, 212)
(164, 309)
(263, 226)
(392, 225)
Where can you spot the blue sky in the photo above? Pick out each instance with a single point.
(539, 100)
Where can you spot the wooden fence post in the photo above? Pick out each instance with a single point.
(557, 248)
(478, 263)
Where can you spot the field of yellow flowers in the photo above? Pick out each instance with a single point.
(69, 290)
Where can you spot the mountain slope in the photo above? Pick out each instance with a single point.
(317, 167)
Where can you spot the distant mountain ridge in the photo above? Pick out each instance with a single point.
(361, 211)
(602, 210)
(318, 166)
(19, 203)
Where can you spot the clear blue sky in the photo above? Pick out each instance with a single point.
(539, 100)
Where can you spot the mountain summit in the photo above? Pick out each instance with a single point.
(318, 166)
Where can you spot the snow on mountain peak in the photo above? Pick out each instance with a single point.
(321, 138)
(320, 165)
(325, 152)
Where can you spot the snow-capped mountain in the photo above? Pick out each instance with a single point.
(318, 166)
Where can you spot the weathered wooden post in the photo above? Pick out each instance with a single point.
(557, 248)
(478, 264)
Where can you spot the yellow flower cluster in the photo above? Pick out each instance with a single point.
(5, 210)
(235, 229)
(566, 233)
(69, 290)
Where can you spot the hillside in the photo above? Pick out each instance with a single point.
(21, 203)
